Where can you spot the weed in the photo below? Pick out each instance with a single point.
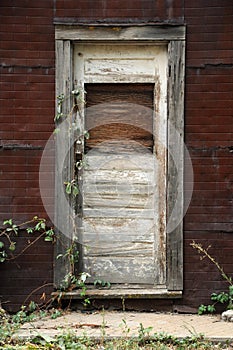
(125, 328)
(222, 297)
(144, 333)
(55, 314)
(102, 284)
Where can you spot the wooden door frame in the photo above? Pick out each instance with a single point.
(174, 38)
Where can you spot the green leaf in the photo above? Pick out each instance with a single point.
(42, 225)
(37, 227)
(83, 293)
(202, 309)
(32, 306)
(58, 116)
(7, 222)
(3, 256)
(101, 283)
(75, 190)
(220, 297)
(231, 291)
(211, 308)
(49, 235)
(12, 246)
(30, 230)
(1, 244)
(48, 239)
(214, 296)
(108, 284)
(55, 314)
(87, 302)
(68, 188)
(15, 229)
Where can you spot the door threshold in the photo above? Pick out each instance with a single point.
(121, 293)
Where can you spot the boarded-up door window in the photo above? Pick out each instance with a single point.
(119, 115)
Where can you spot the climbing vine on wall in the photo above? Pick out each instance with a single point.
(11, 230)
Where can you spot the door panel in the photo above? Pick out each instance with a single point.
(120, 192)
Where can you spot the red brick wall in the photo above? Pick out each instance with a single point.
(209, 137)
(27, 102)
(26, 119)
(120, 10)
(29, 276)
(27, 96)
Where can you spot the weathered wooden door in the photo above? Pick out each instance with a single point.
(124, 180)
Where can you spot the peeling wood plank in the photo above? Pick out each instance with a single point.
(121, 213)
(116, 248)
(95, 56)
(108, 189)
(135, 78)
(96, 69)
(121, 269)
(139, 177)
(118, 228)
(133, 33)
(175, 163)
(120, 162)
(63, 207)
(93, 239)
(117, 201)
(106, 50)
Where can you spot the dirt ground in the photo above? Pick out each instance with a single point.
(114, 324)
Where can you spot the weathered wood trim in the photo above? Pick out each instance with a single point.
(123, 293)
(64, 214)
(176, 51)
(119, 33)
(110, 22)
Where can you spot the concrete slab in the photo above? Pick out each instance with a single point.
(116, 324)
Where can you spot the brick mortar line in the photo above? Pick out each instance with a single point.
(211, 65)
(26, 67)
(20, 147)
